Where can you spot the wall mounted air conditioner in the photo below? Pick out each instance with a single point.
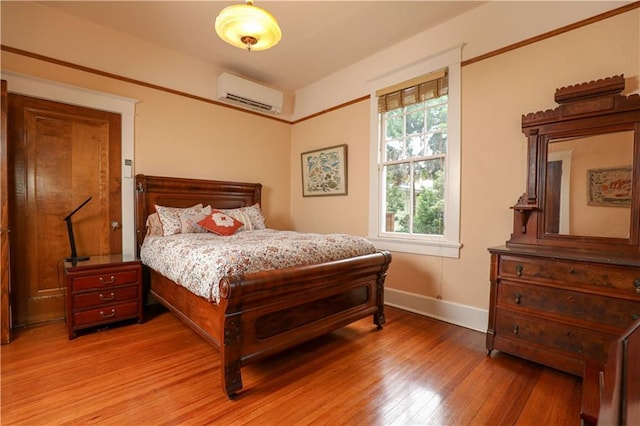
(248, 94)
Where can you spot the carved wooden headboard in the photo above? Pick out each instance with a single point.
(181, 192)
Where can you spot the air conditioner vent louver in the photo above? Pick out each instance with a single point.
(249, 102)
(248, 94)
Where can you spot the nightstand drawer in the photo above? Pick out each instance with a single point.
(618, 313)
(102, 290)
(106, 314)
(105, 297)
(582, 343)
(109, 279)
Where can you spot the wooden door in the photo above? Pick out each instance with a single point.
(553, 193)
(59, 155)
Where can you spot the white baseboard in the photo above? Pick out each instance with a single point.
(454, 313)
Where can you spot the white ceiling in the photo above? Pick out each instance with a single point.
(319, 37)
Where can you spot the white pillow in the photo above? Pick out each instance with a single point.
(154, 227)
(189, 221)
(170, 217)
(251, 217)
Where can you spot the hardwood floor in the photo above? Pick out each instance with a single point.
(415, 371)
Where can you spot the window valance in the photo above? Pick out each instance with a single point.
(419, 89)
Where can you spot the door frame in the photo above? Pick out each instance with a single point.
(54, 91)
(59, 92)
(5, 276)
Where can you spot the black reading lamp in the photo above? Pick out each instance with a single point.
(74, 256)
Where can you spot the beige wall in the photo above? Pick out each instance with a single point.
(177, 136)
(495, 93)
(346, 214)
(180, 136)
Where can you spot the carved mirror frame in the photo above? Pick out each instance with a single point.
(586, 110)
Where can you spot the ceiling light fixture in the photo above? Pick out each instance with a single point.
(248, 27)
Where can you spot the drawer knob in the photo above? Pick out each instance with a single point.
(519, 269)
(636, 284)
(102, 297)
(110, 280)
(516, 329)
(635, 317)
(517, 299)
(110, 315)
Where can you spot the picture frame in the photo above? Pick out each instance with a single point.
(324, 171)
(609, 187)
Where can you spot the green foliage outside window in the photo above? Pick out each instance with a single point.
(429, 218)
(415, 146)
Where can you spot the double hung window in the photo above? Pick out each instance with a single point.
(413, 151)
(415, 178)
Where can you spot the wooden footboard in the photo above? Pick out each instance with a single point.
(204, 317)
(267, 312)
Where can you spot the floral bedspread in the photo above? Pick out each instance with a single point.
(198, 261)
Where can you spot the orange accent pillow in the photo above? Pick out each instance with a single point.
(220, 223)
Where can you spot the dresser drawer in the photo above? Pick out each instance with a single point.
(104, 297)
(106, 314)
(582, 343)
(618, 313)
(113, 278)
(624, 280)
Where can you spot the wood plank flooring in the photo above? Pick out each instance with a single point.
(416, 371)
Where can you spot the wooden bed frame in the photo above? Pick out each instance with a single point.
(260, 313)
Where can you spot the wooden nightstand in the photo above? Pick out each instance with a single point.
(103, 290)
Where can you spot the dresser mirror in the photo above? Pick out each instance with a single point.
(588, 185)
(583, 181)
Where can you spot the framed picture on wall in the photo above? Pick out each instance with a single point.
(324, 171)
(609, 187)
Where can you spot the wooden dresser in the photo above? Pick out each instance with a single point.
(103, 290)
(561, 308)
(567, 282)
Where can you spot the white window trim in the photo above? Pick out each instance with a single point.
(447, 245)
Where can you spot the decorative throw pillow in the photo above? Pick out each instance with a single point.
(220, 223)
(189, 221)
(154, 227)
(251, 216)
(170, 218)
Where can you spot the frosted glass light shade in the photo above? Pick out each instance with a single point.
(248, 27)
